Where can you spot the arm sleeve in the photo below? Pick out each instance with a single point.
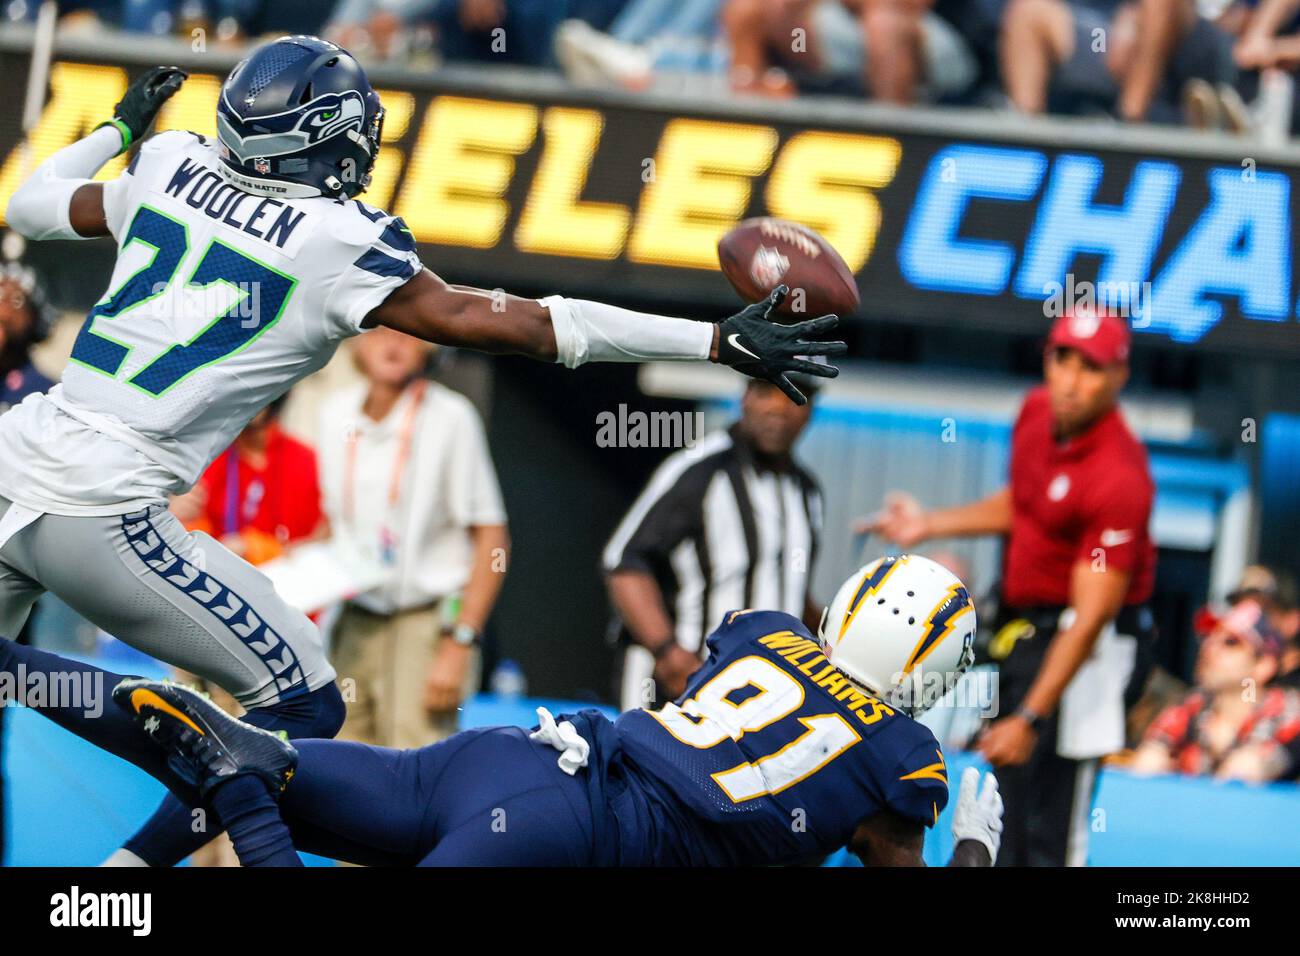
(39, 207)
(370, 274)
(473, 494)
(1117, 522)
(594, 332)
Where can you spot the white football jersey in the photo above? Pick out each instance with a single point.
(219, 302)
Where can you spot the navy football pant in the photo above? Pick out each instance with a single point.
(488, 797)
(482, 798)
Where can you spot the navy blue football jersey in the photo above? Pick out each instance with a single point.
(776, 755)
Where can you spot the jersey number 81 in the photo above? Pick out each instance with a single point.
(710, 717)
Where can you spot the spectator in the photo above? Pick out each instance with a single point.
(648, 36)
(261, 495)
(1121, 55)
(1074, 630)
(494, 31)
(732, 522)
(238, 19)
(894, 50)
(1276, 593)
(1266, 33)
(25, 319)
(1234, 725)
(409, 482)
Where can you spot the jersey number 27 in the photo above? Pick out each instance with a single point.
(222, 336)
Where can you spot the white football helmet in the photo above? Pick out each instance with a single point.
(903, 627)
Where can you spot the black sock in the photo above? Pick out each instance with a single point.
(253, 820)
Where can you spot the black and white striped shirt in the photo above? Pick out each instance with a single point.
(718, 532)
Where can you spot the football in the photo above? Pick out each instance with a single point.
(759, 254)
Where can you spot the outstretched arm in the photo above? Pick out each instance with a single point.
(59, 201)
(576, 331)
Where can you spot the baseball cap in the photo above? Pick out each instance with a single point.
(1101, 338)
(1245, 619)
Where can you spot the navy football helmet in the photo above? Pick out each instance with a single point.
(299, 118)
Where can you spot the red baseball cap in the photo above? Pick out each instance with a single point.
(1245, 619)
(1100, 338)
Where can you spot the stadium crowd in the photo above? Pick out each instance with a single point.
(1211, 64)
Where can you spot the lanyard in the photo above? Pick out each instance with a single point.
(404, 441)
(238, 507)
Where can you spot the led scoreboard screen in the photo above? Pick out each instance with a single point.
(510, 187)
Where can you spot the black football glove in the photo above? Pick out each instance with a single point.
(135, 112)
(753, 344)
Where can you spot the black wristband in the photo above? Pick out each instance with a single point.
(663, 648)
(1030, 716)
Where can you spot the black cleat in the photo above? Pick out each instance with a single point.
(204, 744)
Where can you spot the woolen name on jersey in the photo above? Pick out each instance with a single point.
(208, 191)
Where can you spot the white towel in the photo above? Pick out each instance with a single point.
(1091, 713)
(565, 738)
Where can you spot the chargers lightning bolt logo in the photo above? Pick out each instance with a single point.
(872, 581)
(956, 602)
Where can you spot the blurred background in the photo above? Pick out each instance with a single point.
(982, 166)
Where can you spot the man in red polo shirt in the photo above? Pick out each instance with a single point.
(1074, 633)
(260, 495)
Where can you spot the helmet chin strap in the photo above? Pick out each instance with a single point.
(275, 188)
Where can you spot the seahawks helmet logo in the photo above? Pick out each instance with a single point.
(293, 131)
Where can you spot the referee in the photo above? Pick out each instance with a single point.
(731, 522)
(1074, 633)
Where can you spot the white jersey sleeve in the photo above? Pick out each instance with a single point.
(385, 260)
(220, 300)
(119, 193)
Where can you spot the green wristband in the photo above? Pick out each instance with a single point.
(122, 128)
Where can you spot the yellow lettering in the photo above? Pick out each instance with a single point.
(702, 185)
(81, 96)
(878, 710)
(398, 109)
(807, 666)
(194, 107)
(555, 221)
(824, 180)
(780, 639)
(832, 681)
(461, 167)
(806, 648)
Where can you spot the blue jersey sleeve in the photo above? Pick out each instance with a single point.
(917, 787)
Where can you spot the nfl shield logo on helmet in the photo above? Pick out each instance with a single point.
(262, 165)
